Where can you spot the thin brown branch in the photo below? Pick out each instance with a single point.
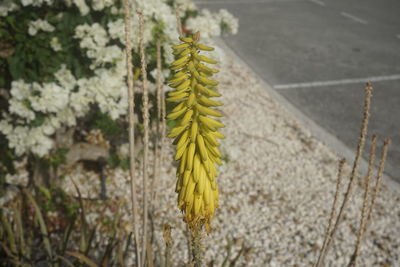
(159, 127)
(360, 148)
(376, 189)
(364, 210)
(146, 134)
(131, 96)
(178, 19)
(333, 211)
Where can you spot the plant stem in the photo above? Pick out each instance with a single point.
(197, 249)
(364, 210)
(333, 211)
(178, 20)
(360, 148)
(146, 134)
(158, 154)
(131, 100)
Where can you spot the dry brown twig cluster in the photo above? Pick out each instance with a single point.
(370, 195)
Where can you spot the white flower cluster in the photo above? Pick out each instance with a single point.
(55, 44)
(82, 6)
(209, 24)
(38, 110)
(53, 101)
(36, 2)
(7, 6)
(39, 24)
(94, 39)
(229, 21)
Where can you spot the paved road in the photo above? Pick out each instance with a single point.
(318, 54)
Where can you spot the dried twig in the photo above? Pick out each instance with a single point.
(178, 20)
(158, 154)
(333, 212)
(131, 95)
(146, 133)
(360, 148)
(378, 178)
(360, 234)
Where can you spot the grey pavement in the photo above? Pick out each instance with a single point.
(318, 54)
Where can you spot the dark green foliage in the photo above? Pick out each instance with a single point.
(58, 157)
(115, 161)
(111, 129)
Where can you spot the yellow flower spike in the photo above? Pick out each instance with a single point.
(208, 102)
(204, 47)
(176, 114)
(195, 132)
(206, 91)
(207, 111)
(186, 39)
(203, 67)
(183, 85)
(218, 135)
(177, 97)
(181, 46)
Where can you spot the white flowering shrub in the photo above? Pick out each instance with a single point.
(62, 67)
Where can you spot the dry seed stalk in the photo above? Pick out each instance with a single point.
(195, 132)
(378, 179)
(131, 100)
(364, 210)
(333, 211)
(146, 134)
(160, 127)
(360, 148)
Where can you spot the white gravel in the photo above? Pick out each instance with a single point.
(276, 190)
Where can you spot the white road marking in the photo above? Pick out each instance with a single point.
(354, 18)
(317, 2)
(338, 82)
(398, 36)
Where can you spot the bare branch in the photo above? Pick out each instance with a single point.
(131, 96)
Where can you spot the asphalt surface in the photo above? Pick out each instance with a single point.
(318, 54)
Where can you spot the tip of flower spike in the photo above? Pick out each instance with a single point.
(196, 36)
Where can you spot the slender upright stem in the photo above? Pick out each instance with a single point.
(364, 210)
(146, 134)
(378, 180)
(178, 20)
(197, 249)
(360, 148)
(159, 128)
(131, 96)
(333, 211)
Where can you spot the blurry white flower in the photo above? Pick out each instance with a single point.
(123, 150)
(83, 8)
(7, 6)
(229, 21)
(37, 25)
(55, 44)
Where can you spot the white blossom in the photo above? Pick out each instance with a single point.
(39, 24)
(229, 21)
(36, 3)
(206, 23)
(82, 6)
(7, 6)
(101, 4)
(55, 44)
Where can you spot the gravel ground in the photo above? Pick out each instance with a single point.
(276, 190)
